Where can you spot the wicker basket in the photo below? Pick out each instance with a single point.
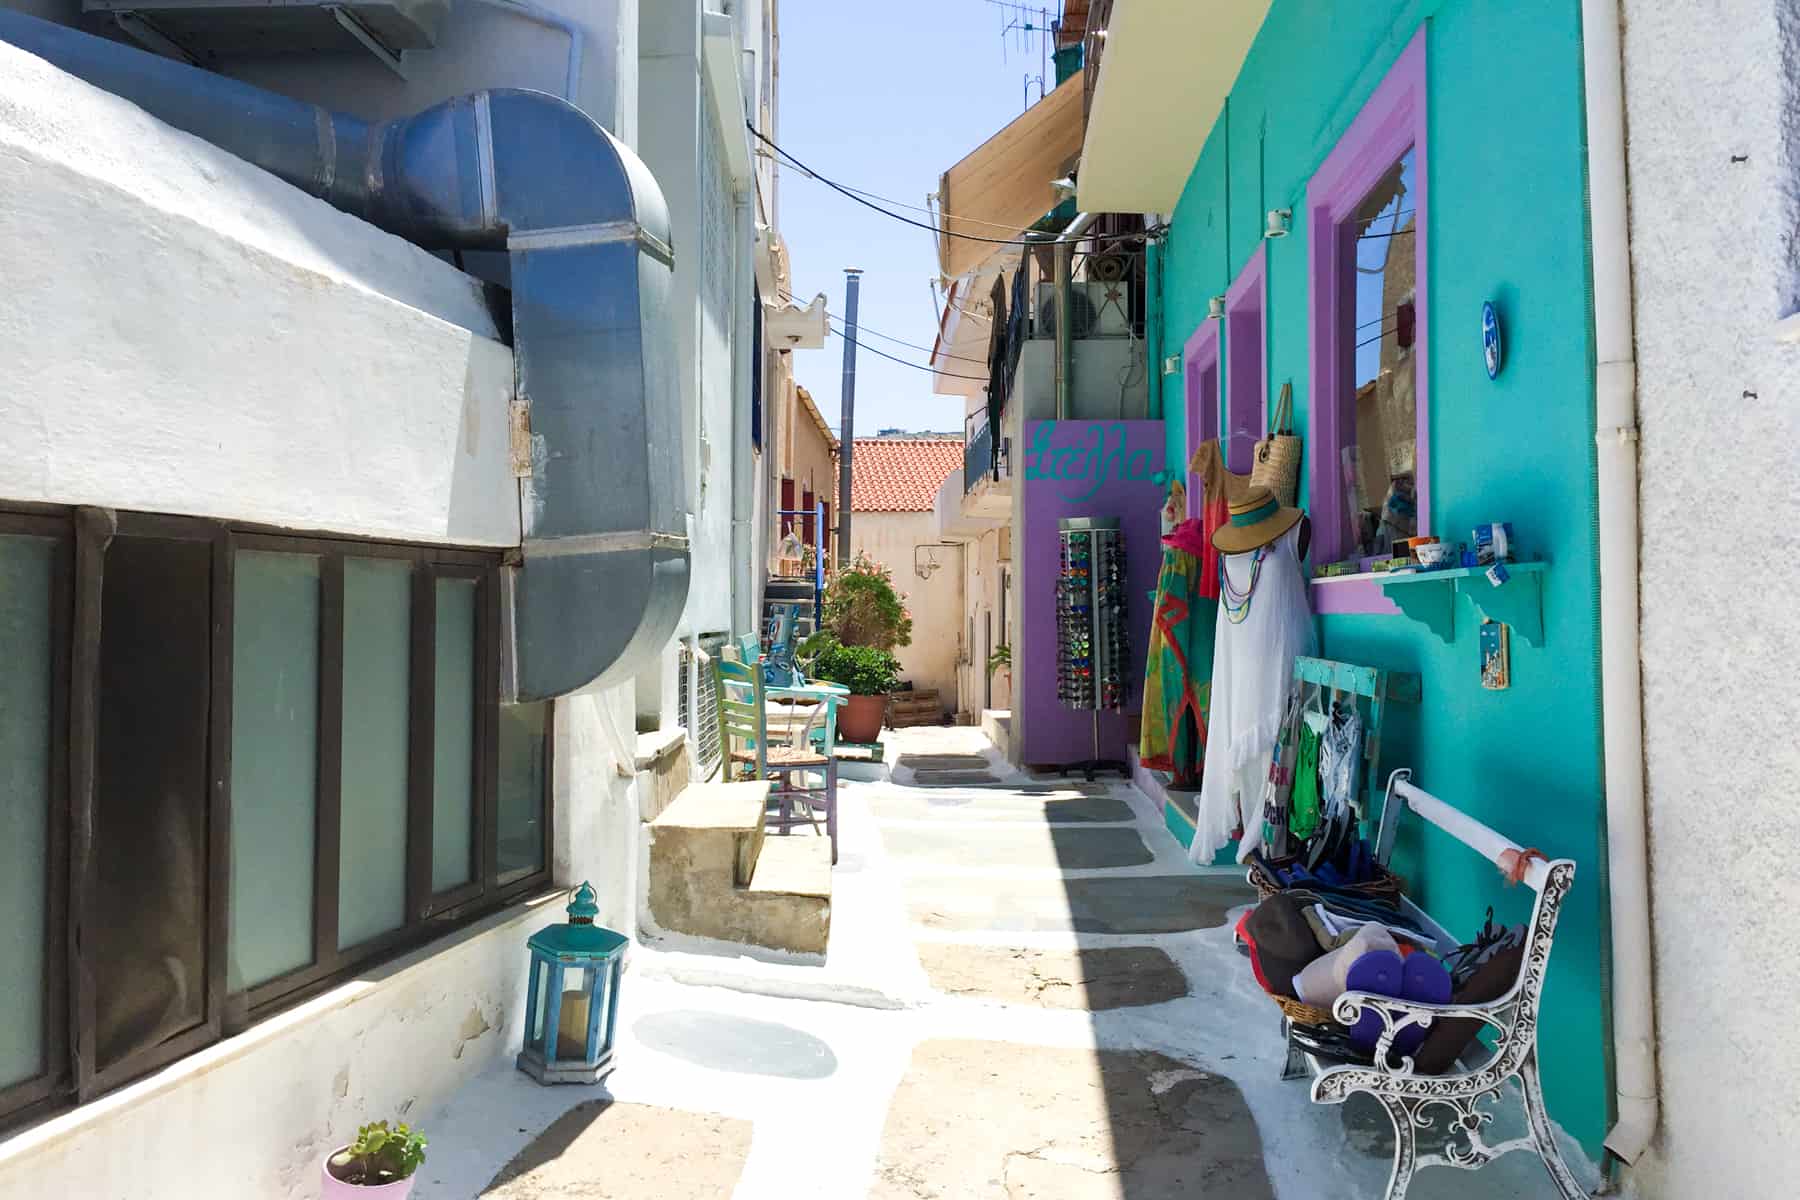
(1277, 462)
(1385, 886)
(1303, 1014)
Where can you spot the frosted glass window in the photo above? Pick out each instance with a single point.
(523, 763)
(274, 764)
(25, 730)
(147, 937)
(377, 677)
(453, 737)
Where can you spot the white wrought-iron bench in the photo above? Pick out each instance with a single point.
(1414, 1101)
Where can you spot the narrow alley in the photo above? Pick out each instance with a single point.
(1029, 993)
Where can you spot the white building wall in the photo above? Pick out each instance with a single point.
(936, 604)
(255, 1115)
(188, 334)
(1713, 117)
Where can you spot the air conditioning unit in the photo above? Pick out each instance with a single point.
(1099, 309)
(205, 29)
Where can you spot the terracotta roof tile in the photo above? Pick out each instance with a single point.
(901, 474)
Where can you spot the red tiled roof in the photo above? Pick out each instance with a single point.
(901, 474)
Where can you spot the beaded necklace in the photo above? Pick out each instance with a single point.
(1236, 603)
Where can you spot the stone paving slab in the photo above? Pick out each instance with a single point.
(942, 762)
(1084, 980)
(1068, 847)
(606, 1150)
(909, 805)
(1127, 904)
(946, 779)
(1001, 1121)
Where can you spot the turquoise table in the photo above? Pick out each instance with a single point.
(820, 692)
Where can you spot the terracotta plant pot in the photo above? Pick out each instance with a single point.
(860, 718)
(333, 1188)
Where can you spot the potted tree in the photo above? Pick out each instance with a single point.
(869, 672)
(378, 1165)
(863, 608)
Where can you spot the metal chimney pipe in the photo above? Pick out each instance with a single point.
(847, 418)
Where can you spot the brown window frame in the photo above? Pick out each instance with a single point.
(81, 536)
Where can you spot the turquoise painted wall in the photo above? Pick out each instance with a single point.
(1508, 223)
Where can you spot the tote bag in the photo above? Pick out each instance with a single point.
(1277, 462)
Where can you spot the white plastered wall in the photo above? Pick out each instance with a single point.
(254, 1116)
(188, 334)
(936, 603)
(1711, 96)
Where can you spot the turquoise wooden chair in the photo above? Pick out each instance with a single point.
(753, 753)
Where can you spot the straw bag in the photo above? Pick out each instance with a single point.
(1277, 464)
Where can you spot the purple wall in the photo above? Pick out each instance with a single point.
(1083, 469)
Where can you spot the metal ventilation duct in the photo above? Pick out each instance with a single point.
(224, 28)
(605, 571)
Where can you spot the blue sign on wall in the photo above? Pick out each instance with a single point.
(1490, 339)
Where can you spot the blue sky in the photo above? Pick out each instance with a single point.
(884, 96)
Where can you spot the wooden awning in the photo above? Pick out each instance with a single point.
(1003, 187)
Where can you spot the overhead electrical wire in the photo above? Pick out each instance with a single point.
(852, 194)
(935, 353)
(857, 342)
(836, 324)
(806, 174)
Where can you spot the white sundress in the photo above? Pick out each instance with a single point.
(1253, 667)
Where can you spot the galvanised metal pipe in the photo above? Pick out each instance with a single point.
(604, 547)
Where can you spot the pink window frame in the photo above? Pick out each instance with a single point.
(1393, 119)
(1248, 294)
(1200, 353)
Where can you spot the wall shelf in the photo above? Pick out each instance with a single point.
(1429, 597)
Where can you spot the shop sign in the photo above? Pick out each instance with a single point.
(1085, 464)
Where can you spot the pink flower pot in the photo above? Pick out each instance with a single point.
(333, 1188)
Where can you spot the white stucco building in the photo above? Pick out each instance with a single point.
(299, 736)
(1711, 118)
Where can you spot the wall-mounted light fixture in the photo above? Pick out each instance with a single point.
(1172, 365)
(1278, 222)
(1215, 308)
(1064, 188)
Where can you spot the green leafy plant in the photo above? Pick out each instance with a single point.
(1001, 657)
(865, 670)
(379, 1155)
(863, 608)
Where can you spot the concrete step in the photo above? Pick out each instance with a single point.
(719, 826)
(714, 875)
(790, 893)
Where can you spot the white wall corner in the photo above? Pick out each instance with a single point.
(725, 87)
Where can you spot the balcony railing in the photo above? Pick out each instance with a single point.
(979, 460)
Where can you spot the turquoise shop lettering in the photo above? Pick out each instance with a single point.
(1091, 461)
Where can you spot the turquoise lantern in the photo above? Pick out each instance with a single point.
(572, 998)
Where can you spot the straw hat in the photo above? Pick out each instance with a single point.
(1256, 520)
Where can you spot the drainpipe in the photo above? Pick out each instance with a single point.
(1622, 730)
(744, 361)
(1063, 253)
(603, 542)
(1153, 323)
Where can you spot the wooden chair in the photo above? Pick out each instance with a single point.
(755, 754)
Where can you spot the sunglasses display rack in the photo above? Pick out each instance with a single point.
(1091, 632)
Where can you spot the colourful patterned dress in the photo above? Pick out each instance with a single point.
(1172, 736)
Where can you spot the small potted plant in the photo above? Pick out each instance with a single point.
(379, 1164)
(869, 672)
(1000, 663)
